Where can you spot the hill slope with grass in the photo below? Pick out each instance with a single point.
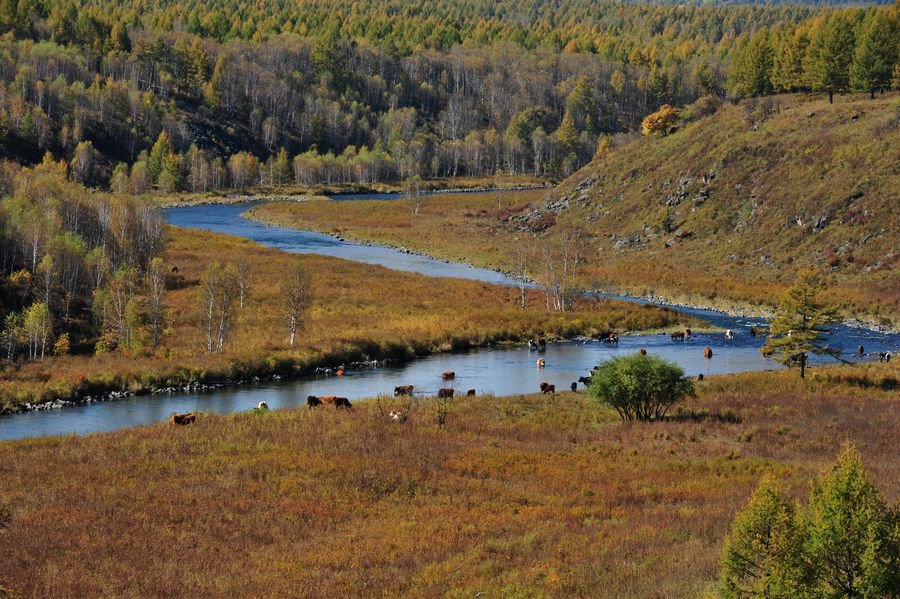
(732, 204)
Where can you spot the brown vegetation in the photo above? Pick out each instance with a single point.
(521, 496)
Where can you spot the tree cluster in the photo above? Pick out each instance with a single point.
(76, 268)
(845, 544)
(838, 52)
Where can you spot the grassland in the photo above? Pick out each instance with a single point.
(513, 497)
(359, 312)
(721, 213)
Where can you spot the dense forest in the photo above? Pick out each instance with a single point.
(324, 92)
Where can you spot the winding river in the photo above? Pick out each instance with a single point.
(499, 370)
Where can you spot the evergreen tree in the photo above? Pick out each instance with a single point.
(875, 54)
(830, 54)
(789, 47)
(763, 555)
(158, 155)
(799, 327)
(752, 71)
(852, 542)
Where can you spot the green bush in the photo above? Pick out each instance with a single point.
(639, 387)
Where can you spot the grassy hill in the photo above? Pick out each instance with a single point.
(733, 203)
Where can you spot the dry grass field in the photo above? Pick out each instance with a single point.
(359, 312)
(512, 497)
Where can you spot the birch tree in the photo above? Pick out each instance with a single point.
(296, 297)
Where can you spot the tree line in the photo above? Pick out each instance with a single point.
(843, 51)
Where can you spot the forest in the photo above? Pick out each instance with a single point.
(140, 97)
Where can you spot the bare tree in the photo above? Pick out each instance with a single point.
(228, 292)
(523, 257)
(156, 308)
(296, 296)
(209, 296)
(244, 280)
(562, 259)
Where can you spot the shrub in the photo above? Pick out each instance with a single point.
(704, 106)
(640, 387)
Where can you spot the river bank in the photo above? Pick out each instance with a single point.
(380, 314)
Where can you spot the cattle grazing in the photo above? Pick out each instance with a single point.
(262, 406)
(642, 351)
(174, 270)
(183, 419)
(707, 353)
(678, 336)
(398, 416)
(884, 356)
(610, 337)
(313, 402)
(403, 390)
(470, 393)
(574, 387)
(339, 372)
(700, 377)
(861, 350)
(547, 388)
(445, 393)
(448, 376)
(342, 402)
(729, 334)
(584, 380)
(541, 363)
(327, 399)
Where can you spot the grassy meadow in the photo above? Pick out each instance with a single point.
(530, 496)
(758, 190)
(359, 312)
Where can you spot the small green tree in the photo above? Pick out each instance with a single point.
(852, 542)
(800, 325)
(763, 555)
(830, 54)
(639, 387)
(875, 54)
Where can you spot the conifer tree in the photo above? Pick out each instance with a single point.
(875, 54)
(830, 54)
(800, 325)
(158, 155)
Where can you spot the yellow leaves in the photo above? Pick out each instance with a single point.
(661, 121)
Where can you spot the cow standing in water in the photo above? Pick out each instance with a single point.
(707, 353)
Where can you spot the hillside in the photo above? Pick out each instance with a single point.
(732, 204)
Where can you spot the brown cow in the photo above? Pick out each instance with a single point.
(548, 388)
(470, 393)
(687, 333)
(313, 402)
(642, 351)
(327, 399)
(449, 375)
(403, 390)
(678, 336)
(445, 393)
(184, 419)
(342, 402)
(340, 372)
(707, 353)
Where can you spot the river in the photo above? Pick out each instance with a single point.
(499, 370)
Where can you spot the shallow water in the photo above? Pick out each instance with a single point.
(501, 371)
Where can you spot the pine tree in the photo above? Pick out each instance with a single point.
(158, 155)
(830, 54)
(852, 541)
(752, 71)
(800, 325)
(212, 91)
(875, 54)
(763, 555)
(789, 47)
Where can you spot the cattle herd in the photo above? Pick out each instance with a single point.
(546, 388)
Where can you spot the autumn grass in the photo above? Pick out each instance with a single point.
(520, 496)
(359, 312)
(744, 244)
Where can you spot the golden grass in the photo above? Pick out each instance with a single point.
(521, 496)
(745, 245)
(360, 312)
